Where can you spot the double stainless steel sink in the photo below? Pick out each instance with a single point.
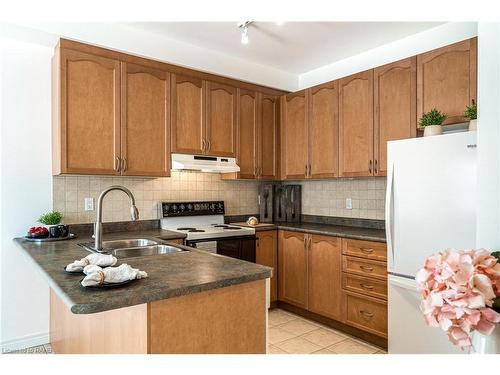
(132, 248)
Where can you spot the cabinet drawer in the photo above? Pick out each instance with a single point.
(365, 249)
(365, 285)
(367, 313)
(365, 267)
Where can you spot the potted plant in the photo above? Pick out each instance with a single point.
(461, 295)
(431, 122)
(471, 114)
(51, 218)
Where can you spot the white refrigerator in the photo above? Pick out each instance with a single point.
(430, 206)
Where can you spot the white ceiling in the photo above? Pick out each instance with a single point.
(294, 47)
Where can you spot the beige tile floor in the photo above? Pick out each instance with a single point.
(292, 334)
(289, 334)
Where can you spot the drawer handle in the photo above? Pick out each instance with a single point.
(366, 286)
(366, 313)
(366, 250)
(366, 268)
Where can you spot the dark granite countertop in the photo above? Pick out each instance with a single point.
(368, 234)
(169, 275)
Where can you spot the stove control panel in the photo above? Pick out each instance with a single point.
(173, 209)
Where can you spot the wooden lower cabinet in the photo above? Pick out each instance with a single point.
(367, 313)
(267, 255)
(292, 270)
(316, 275)
(325, 276)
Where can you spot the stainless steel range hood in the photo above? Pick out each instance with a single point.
(204, 163)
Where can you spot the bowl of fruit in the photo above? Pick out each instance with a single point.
(38, 232)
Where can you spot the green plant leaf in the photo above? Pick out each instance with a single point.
(51, 218)
(433, 117)
(471, 111)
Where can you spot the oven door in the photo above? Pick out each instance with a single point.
(235, 247)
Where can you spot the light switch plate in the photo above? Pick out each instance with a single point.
(89, 204)
(348, 203)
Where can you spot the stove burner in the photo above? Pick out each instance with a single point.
(195, 230)
(220, 226)
(232, 228)
(189, 229)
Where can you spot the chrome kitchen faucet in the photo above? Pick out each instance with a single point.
(134, 212)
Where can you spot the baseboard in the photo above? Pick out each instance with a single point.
(25, 342)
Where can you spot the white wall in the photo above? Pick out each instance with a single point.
(26, 186)
(488, 137)
(144, 43)
(410, 46)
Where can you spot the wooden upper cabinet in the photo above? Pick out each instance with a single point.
(447, 79)
(145, 135)
(268, 136)
(86, 134)
(266, 253)
(323, 131)
(188, 120)
(221, 120)
(292, 255)
(294, 136)
(395, 107)
(325, 276)
(356, 125)
(247, 133)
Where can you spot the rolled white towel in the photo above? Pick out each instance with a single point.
(97, 275)
(103, 260)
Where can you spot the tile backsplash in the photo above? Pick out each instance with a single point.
(328, 198)
(324, 198)
(69, 193)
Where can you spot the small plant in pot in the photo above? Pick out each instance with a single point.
(52, 220)
(471, 114)
(432, 122)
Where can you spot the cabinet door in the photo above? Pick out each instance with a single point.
(267, 255)
(247, 133)
(325, 276)
(447, 79)
(292, 268)
(295, 147)
(90, 113)
(221, 119)
(268, 136)
(395, 107)
(188, 120)
(145, 134)
(324, 131)
(356, 125)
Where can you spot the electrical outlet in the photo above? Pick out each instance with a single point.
(89, 204)
(348, 203)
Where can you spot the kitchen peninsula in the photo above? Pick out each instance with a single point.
(191, 302)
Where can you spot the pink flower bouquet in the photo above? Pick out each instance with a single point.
(459, 289)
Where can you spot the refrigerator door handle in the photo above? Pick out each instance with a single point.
(389, 216)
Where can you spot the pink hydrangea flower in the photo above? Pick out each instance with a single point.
(458, 288)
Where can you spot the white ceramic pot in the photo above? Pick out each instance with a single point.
(482, 344)
(433, 130)
(472, 125)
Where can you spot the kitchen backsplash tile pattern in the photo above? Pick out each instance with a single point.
(324, 198)
(328, 198)
(69, 193)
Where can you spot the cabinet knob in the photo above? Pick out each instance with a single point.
(376, 166)
(366, 250)
(370, 166)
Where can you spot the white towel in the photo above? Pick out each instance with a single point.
(97, 275)
(102, 260)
